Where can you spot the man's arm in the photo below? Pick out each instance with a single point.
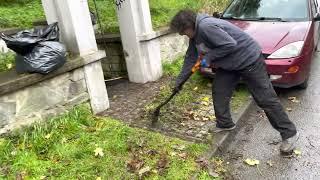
(189, 60)
(224, 44)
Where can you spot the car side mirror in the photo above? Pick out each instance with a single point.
(317, 17)
(217, 14)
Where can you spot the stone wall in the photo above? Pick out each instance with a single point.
(114, 64)
(172, 46)
(42, 100)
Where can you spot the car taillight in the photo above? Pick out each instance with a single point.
(293, 69)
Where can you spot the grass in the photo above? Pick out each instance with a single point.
(64, 148)
(7, 61)
(21, 13)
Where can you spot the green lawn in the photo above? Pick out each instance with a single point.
(7, 61)
(78, 145)
(21, 13)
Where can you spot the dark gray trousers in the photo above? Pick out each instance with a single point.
(259, 85)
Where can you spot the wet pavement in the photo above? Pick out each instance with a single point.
(256, 139)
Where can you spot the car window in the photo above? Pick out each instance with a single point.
(284, 9)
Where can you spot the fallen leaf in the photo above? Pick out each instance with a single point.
(270, 163)
(289, 109)
(134, 164)
(98, 152)
(293, 99)
(173, 153)
(64, 140)
(297, 152)
(203, 163)
(195, 89)
(43, 177)
(191, 112)
(48, 136)
(21, 175)
(162, 163)
(212, 117)
(152, 152)
(206, 99)
(205, 119)
(196, 118)
(98, 178)
(13, 153)
(9, 66)
(180, 148)
(183, 155)
(213, 173)
(144, 170)
(205, 103)
(252, 162)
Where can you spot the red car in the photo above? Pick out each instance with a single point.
(287, 31)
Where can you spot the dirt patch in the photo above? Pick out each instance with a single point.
(127, 100)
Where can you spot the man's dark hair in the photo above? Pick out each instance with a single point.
(183, 20)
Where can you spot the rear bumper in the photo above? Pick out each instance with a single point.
(280, 68)
(286, 73)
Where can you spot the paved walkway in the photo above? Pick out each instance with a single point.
(128, 102)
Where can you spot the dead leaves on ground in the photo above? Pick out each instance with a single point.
(289, 109)
(200, 115)
(270, 163)
(215, 167)
(293, 99)
(297, 152)
(252, 162)
(162, 164)
(98, 152)
(138, 166)
(135, 164)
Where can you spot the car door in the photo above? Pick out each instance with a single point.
(315, 12)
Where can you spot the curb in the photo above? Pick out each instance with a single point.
(220, 138)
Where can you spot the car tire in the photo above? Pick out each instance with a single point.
(305, 84)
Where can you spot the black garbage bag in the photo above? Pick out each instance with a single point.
(44, 58)
(23, 42)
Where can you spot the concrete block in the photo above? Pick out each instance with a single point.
(7, 112)
(96, 87)
(77, 75)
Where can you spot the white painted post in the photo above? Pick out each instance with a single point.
(142, 58)
(78, 35)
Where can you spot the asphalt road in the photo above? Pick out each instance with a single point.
(256, 139)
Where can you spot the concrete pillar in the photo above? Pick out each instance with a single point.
(142, 58)
(78, 35)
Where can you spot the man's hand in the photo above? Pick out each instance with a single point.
(204, 63)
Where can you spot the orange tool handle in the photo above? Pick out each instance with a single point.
(196, 66)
